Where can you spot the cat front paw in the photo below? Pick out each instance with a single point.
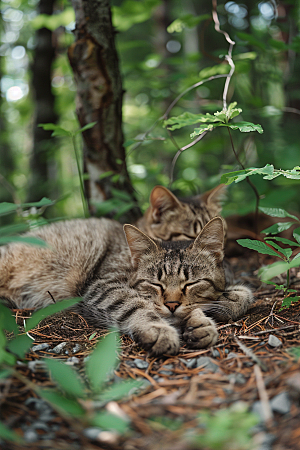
(200, 331)
(160, 339)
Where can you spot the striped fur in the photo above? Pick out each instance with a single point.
(161, 293)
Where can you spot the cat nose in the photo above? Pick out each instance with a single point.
(172, 306)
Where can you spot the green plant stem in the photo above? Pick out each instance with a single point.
(288, 278)
(249, 182)
(83, 199)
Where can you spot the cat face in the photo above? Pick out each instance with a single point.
(173, 219)
(177, 276)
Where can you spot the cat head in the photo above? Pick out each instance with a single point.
(172, 219)
(176, 276)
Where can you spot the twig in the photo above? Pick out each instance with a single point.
(51, 296)
(250, 353)
(264, 398)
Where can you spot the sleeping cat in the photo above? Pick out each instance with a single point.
(158, 292)
(173, 219)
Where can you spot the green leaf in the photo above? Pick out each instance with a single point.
(283, 240)
(9, 435)
(123, 209)
(5, 373)
(297, 256)
(102, 361)
(187, 118)
(20, 345)
(278, 227)
(296, 234)
(7, 208)
(66, 405)
(280, 249)
(219, 69)
(7, 320)
(201, 130)
(259, 246)
(86, 127)
(287, 301)
(268, 272)
(277, 212)
(250, 39)
(8, 230)
(244, 127)
(57, 131)
(295, 352)
(131, 12)
(30, 240)
(109, 421)
(186, 21)
(66, 378)
(49, 310)
(228, 178)
(118, 391)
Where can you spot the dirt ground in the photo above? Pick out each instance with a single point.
(255, 362)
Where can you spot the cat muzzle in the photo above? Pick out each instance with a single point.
(172, 306)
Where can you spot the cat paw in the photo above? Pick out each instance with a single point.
(160, 339)
(200, 332)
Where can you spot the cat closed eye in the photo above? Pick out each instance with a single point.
(199, 284)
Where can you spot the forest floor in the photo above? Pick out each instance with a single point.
(255, 366)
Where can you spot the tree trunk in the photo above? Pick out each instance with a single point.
(42, 158)
(94, 60)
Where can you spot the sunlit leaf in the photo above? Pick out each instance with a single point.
(296, 234)
(131, 12)
(278, 227)
(272, 270)
(66, 378)
(277, 212)
(49, 310)
(259, 246)
(186, 21)
(283, 240)
(57, 130)
(219, 69)
(284, 251)
(52, 22)
(201, 130)
(102, 360)
(30, 240)
(244, 127)
(187, 118)
(287, 301)
(86, 127)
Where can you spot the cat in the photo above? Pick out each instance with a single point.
(172, 219)
(160, 293)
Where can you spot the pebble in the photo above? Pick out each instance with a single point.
(281, 403)
(76, 348)
(166, 372)
(38, 347)
(37, 366)
(92, 433)
(72, 360)
(141, 364)
(58, 348)
(190, 363)
(30, 435)
(237, 378)
(207, 363)
(274, 341)
(215, 353)
(232, 355)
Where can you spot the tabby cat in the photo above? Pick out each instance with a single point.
(158, 292)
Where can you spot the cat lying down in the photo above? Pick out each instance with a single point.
(161, 293)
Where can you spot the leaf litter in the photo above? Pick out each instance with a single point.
(243, 368)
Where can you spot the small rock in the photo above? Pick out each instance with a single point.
(258, 410)
(141, 364)
(237, 378)
(263, 440)
(37, 366)
(76, 348)
(58, 348)
(232, 355)
(168, 366)
(72, 360)
(166, 372)
(215, 353)
(40, 425)
(273, 341)
(281, 403)
(130, 364)
(190, 363)
(30, 435)
(92, 433)
(293, 383)
(207, 363)
(38, 347)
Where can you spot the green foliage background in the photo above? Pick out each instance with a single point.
(164, 48)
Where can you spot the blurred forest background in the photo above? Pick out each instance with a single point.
(164, 47)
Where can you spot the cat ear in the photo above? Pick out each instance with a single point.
(138, 243)
(162, 200)
(211, 238)
(215, 197)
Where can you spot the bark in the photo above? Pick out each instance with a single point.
(42, 158)
(94, 60)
